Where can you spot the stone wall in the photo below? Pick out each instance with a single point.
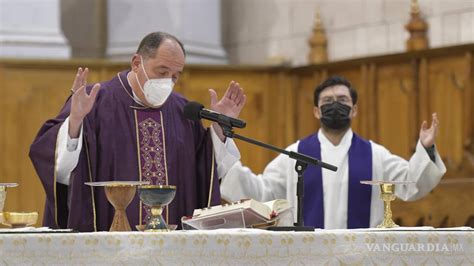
(257, 31)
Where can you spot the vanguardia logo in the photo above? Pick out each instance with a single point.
(418, 247)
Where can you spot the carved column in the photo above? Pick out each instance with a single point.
(417, 27)
(318, 43)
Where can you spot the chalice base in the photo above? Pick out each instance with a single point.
(156, 224)
(120, 222)
(388, 224)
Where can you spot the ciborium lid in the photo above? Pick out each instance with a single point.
(5, 185)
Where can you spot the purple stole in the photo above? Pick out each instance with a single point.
(151, 153)
(359, 198)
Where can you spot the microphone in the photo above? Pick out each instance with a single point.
(195, 111)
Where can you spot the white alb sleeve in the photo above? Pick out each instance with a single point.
(226, 153)
(420, 169)
(68, 151)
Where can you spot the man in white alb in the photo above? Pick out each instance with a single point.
(335, 200)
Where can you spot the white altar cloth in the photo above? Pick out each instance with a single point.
(241, 247)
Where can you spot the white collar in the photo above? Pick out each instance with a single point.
(345, 141)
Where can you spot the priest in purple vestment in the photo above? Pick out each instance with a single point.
(129, 128)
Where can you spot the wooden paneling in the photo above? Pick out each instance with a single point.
(396, 107)
(449, 204)
(447, 91)
(396, 92)
(196, 83)
(306, 123)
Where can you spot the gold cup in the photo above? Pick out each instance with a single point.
(119, 194)
(387, 195)
(120, 197)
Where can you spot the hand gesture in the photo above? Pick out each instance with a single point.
(428, 135)
(231, 104)
(81, 102)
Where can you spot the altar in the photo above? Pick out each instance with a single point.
(242, 247)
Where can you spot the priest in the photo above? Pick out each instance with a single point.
(130, 128)
(336, 200)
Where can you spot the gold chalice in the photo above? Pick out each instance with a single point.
(157, 197)
(119, 194)
(387, 194)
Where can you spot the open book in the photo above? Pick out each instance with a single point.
(243, 213)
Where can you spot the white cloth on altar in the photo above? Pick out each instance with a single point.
(279, 177)
(240, 247)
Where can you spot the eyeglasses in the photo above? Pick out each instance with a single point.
(330, 99)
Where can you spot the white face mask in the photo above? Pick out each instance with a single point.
(156, 91)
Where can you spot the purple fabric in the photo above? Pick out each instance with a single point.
(152, 153)
(110, 153)
(359, 198)
(360, 195)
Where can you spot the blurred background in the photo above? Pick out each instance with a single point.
(406, 58)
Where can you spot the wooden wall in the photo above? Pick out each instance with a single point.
(396, 93)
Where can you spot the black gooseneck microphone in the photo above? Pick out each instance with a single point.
(196, 111)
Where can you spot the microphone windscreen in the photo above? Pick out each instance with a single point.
(192, 111)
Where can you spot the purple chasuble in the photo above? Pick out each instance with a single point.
(122, 141)
(359, 198)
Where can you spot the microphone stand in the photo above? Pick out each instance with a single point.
(302, 162)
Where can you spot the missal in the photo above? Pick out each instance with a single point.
(246, 213)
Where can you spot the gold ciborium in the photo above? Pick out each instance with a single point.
(157, 197)
(119, 194)
(387, 194)
(18, 219)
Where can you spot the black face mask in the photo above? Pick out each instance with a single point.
(336, 115)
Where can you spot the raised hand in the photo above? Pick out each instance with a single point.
(231, 104)
(428, 135)
(81, 102)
